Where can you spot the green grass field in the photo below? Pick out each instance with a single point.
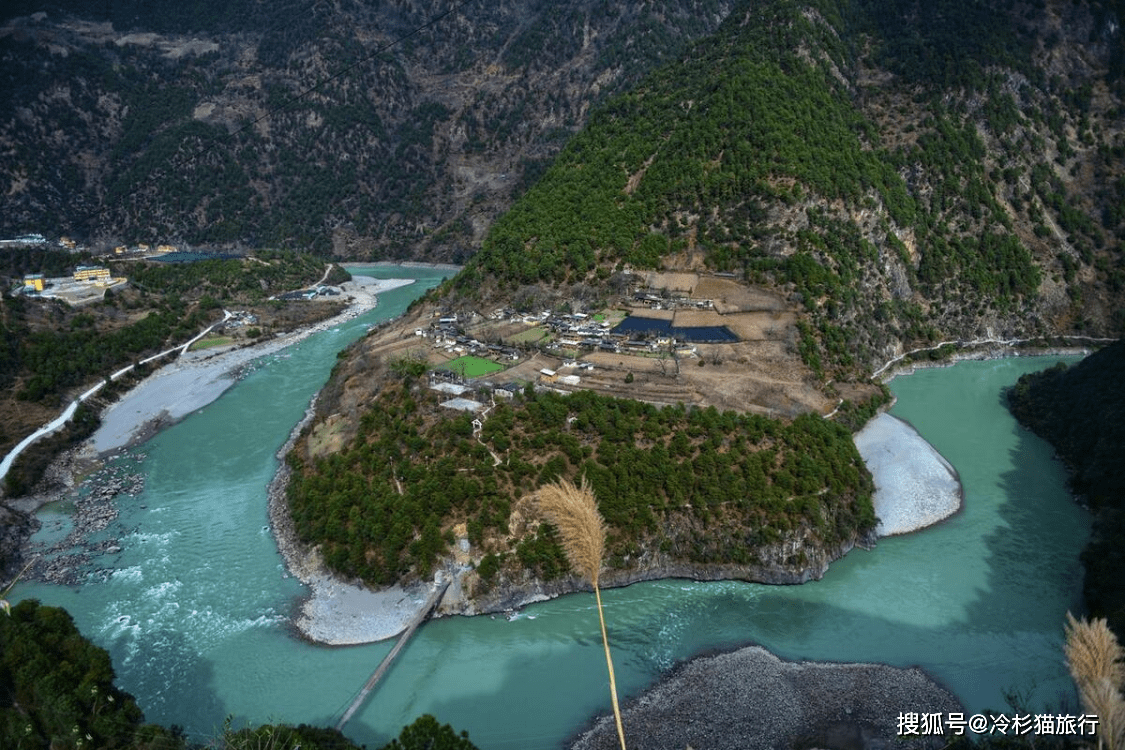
(474, 366)
(207, 343)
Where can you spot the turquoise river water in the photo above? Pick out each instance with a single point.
(195, 607)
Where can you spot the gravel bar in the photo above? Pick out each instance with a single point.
(751, 700)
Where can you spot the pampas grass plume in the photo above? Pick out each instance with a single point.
(1097, 664)
(574, 512)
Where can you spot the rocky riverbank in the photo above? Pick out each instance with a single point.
(80, 539)
(467, 596)
(749, 700)
(335, 612)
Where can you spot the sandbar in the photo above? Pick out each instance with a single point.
(341, 614)
(915, 486)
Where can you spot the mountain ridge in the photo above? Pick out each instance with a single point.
(389, 131)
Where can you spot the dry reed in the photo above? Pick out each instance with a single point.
(1097, 664)
(574, 512)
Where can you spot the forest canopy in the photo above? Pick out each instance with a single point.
(696, 485)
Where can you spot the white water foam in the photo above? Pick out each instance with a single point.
(128, 575)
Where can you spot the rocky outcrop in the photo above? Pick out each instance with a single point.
(96, 507)
(786, 563)
(96, 498)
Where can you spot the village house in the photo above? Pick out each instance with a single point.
(91, 273)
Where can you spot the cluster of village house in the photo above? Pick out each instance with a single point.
(574, 331)
(442, 383)
(571, 331)
(452, 384)
(237, 319)
(659, 301)
(447, 335)
(579, 331)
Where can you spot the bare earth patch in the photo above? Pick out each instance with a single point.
(757, 326)
(672, 281)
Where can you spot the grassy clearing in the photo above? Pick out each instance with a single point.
(472, 367)
(207, 343)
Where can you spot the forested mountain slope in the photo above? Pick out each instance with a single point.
(901, 197)
(375, 129)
